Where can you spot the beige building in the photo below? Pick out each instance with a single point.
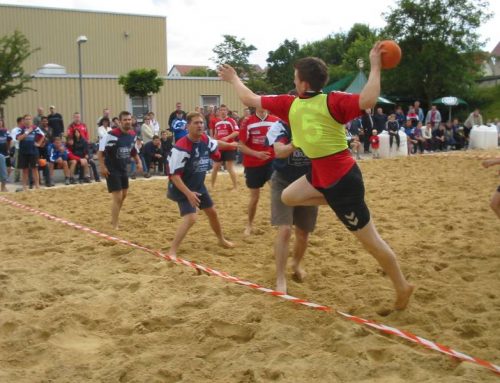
(116, 44)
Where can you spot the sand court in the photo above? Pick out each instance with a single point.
(74, 307)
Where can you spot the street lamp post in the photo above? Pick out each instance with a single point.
(80, 40)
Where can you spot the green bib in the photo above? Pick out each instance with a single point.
(314, 130)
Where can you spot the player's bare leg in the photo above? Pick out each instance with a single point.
(215, 170)
(117, 202)
(230, 169)
(302, 193)
(252, 209)
(213, 219)
(187, 222)
(385, 256)
(300, 247)
(281, 248)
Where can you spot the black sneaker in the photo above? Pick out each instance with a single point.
(72, 181)
(86, 180)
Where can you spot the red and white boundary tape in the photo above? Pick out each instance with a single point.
(381, 327)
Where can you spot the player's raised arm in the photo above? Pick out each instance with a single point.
(227, 73)
(371, 91)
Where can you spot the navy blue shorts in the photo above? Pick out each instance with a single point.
(186, 208)
(116, 182)
(227, 155)
(256, 177)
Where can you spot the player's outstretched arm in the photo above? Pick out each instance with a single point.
(227, 73)
(371, 91)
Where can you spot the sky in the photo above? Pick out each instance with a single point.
(195, 27)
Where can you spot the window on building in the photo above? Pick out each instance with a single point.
(206, 101)
(139, 106)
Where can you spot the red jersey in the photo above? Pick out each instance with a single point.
(253, 134)
(343, 107)
(222, 128)
(81, 127)
(375, 142)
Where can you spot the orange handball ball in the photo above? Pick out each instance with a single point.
(42, 162)
(391, 54)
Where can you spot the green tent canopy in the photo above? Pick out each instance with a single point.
(353, 84)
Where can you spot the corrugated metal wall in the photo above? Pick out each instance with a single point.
(101, 93)
(108, 50)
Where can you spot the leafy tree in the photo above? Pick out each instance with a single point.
(234, 52)
(141, 83)
(14, 49)
(201, 72)
(440, 41)
(330, 49)
(280, 66)
(358, 49)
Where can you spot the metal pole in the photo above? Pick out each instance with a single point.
(80, 78)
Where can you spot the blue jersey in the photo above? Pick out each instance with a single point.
(28, 144)
(5, 139)
(54, 154)
(191, 161)
(296, 164)
(179, 128)
(118, 147)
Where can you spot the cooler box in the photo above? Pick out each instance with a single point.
(483, 137)
(387, 152)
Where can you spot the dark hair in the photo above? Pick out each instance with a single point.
(223, 106)
(105, 119)
(19, 119)
(155, 137)
(44, 118)
(192, 115)
(124, 114)
(313, 71)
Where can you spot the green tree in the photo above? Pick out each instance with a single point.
(440, 43)
(280, 66)
(14, 50)
(201, 72)
(234, 52)
(330, 49)
(141, 83)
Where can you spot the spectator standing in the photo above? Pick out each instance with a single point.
(106, 113)
(375, 144)
(257, 159)
(418, 110)
(367, 128)
(5, 163)
(56, 122)
(147, 130)
(166, 146)
(178, 107)
(475, 118)
(154, 123)
(412, 116)
(434, 117)
(29, 137)
(179, 126)
(37, 120)
(104, 128)
(15, 155)
(379, 120)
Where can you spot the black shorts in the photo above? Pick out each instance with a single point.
(8, 162)
(26, 161)
(498, 188)
(227, 155)
(257, 176)
(186, 208)
(347, 199)
(117, 182)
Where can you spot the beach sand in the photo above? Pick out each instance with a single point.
(77, 308)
